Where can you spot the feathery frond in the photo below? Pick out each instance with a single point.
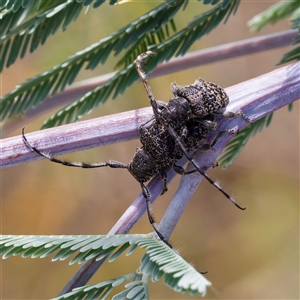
(136, 289)
(176, 45)
(41, 20)
(236, 145)
(159, 261)
(292, 55)
(178, 275)
(142, 43)
(88, 247)
(115, 85)
(275, 13)
(34, 90)
(151, 28)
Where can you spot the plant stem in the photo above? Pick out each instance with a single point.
(190, 60)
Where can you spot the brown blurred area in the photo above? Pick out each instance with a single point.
(251, 254)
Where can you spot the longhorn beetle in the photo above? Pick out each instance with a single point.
(176, 128)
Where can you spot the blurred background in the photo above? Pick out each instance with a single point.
(251, 254)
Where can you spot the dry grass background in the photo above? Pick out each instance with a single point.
(250, 255)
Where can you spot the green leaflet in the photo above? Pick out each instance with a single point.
(158, 261)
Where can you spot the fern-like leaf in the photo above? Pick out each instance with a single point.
(143, 42)
(277, 12)
(87, 247)
(236, 145)
(34, 90)
(292, 55)
(42, 19)
(177, 44)
(103, 289)
(137, 289)
(114, 86)
(273, 14)
(158, 261)
(36, 29)
(202, 24)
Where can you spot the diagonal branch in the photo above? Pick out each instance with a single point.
(124, 126)
(256, 97)
(190, 60)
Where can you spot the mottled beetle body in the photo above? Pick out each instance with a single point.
(176, 128)
(160, 151)
(203, 97)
